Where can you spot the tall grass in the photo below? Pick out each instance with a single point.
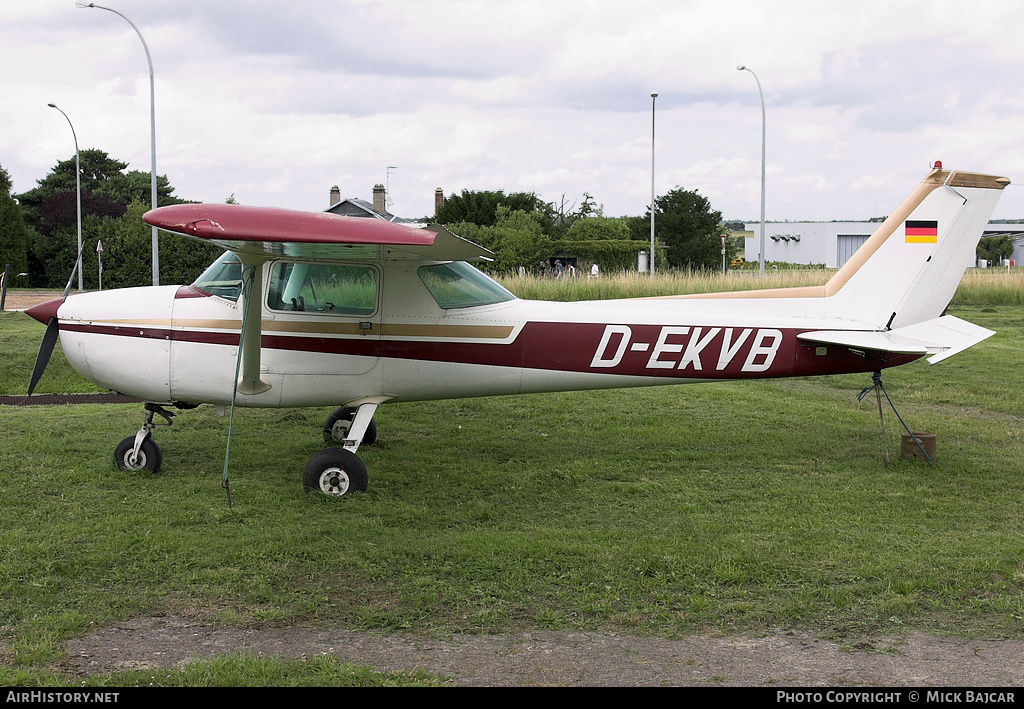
(992, 286)
(978, 287)
(640, 285)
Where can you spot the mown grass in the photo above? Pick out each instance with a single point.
(247, 670)
(722, 508)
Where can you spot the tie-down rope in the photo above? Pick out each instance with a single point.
(879, 389)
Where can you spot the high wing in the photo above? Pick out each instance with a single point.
(265, 232)
(258, 234)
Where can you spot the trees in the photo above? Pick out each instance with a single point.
(126, 252)
(522, 230)
(995, 248)
(100, 175)
(481, 207)
(520, 239)
(517, 238)
(689, 228)
(605, 240)
(516, 227)
(14, 235)
(113, 201)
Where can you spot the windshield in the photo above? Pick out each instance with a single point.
(459, 285)
(223, 278)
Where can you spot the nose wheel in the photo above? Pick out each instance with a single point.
(148, 456)
(140, 452)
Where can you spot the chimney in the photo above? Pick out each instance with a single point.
(335, 195)
(378, 200)
(438, 200)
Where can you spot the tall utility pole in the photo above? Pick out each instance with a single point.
(654, 98)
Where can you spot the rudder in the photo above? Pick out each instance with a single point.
(909, 269)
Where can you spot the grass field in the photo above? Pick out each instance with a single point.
(715, 508)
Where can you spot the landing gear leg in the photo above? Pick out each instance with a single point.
(337, 472)
(140, 452)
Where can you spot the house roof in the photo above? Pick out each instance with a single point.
(355, 207)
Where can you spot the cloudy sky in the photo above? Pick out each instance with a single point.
(275, 102)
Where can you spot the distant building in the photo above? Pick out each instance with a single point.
(832, 243)
(355, 207)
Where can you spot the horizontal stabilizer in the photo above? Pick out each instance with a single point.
(941, 338)
(863, 340)
(953, 334)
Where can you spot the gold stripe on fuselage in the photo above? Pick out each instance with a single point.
(305, 327)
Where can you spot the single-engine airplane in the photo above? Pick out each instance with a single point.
(314, 309)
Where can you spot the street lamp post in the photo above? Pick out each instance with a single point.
(78, 193)
(760, 258)
(654, 98)
(152, 124)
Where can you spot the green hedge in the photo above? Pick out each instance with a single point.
(608, 254)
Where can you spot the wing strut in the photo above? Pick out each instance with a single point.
(250, 339)
(252, 281)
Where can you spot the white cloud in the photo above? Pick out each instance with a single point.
(277, 102)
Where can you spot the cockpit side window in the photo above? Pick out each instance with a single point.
(459, 285)
(336, 289)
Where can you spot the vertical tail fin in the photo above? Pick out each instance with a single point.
(909, 269)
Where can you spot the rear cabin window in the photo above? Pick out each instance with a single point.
(459, 285)
(333, 289)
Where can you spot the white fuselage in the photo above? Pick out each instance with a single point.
(180, 344)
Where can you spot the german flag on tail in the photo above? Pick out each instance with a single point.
(921, 231)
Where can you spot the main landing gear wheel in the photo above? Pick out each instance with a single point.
(149, 457)
(335, 472)
(337, 425)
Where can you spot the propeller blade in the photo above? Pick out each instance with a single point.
(47, 312)
(44, 313)
(45, 350)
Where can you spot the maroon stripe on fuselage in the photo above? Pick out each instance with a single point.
(680, 352)
(362, 346)
(140, 331)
